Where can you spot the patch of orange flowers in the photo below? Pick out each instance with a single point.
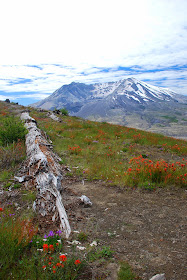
(158, 172)
(75, 149)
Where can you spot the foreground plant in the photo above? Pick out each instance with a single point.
(60, 267)
(25, 255)
(15, 234)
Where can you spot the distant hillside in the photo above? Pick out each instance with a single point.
(127, 102)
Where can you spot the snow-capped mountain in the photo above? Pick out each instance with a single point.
(127, 102)
(75, 95)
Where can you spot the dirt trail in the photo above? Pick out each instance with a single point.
(147, 229)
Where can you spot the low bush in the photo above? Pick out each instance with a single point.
(64, 112)
(11, 130)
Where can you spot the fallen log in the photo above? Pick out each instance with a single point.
(54, 117)
(44, 169)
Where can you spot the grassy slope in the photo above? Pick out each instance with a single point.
(118, 155)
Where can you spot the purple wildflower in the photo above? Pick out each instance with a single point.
(59, 232)
(51, 233)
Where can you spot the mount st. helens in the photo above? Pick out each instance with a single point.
(127, 102)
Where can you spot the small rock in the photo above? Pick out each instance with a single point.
(75, 242)
(94, 243)
(81, 248)
(86, 200)
(158, 277)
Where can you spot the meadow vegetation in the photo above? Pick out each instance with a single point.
(26, 255)
(118, 155)
(12, 143)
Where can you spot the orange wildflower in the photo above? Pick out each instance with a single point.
(63, 258)
(45, 247)
(77, 262)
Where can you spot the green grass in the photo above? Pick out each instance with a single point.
(82, 236)
(125, 272)
(100, 253)
(28, 195)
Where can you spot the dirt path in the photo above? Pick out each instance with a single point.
(147, 229)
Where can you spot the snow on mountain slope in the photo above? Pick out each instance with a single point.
(144, 92)
(104, 89)
(76, 95)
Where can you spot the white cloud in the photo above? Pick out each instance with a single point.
(84, 36)
(4, 97)
(33, 96)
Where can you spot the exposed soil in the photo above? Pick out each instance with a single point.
(147, 229)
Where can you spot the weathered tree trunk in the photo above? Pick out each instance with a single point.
(45, 172)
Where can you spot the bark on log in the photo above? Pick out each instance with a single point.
(45, 172)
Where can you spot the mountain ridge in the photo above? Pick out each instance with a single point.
(140, 92)
(126, 102)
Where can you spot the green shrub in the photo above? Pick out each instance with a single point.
(64, 112)
(11, 130)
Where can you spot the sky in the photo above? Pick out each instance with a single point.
(45, 44)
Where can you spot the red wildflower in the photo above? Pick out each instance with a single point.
(77, 262)
(51, 247)
(1, 209)
(63, 258)
(44, 266)
(45, 247)
(58, 264)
